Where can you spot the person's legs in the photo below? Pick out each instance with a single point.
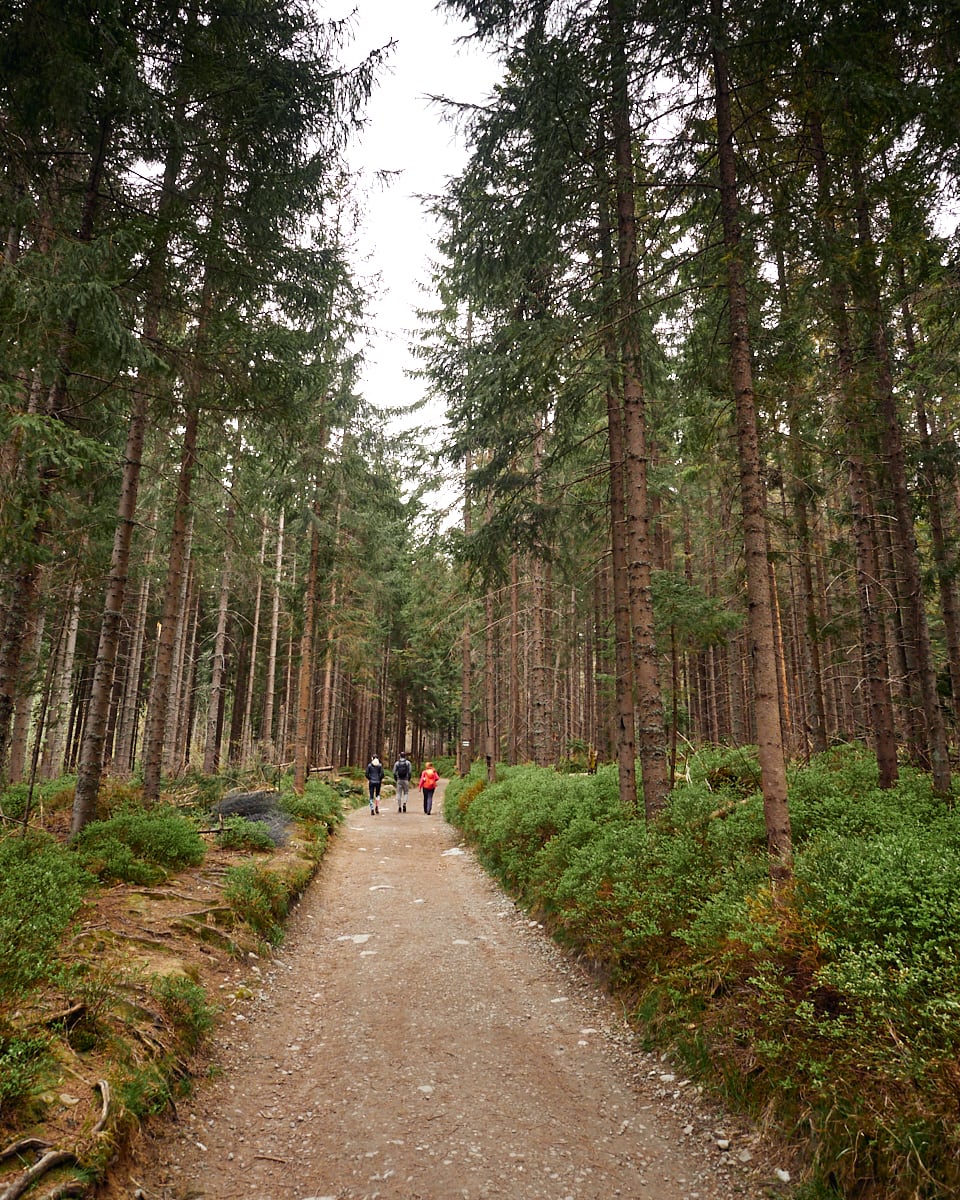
(371, 788)
(428, 801)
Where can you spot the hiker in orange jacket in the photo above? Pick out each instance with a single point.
(428, 784)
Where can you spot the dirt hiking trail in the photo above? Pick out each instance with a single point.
(417, 1038)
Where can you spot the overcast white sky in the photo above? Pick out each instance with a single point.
(406, 134)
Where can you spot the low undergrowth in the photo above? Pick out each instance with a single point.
(834, 1015)
(102, 951)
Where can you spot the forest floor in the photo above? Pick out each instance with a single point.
(418, 1038)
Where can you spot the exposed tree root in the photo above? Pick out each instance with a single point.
(69, 1017)
(52, 1158)
(23, 1146)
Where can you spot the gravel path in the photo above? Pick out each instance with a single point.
(417, 1038)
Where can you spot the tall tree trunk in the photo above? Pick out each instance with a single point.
(514, 735)
(92, 749)
(465, 754)
(904, 531)
(490, 676)
(773, 772)
(51, 764)
(651, 730)
(211, 751)
(246, 732)
(301, 751)
(157, 707)
(944, 555)
(539, 671)
(181, 662)
(266, 732)
(21, 590)
(23, 709)
(868, 573)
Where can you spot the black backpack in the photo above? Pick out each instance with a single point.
(403, 769)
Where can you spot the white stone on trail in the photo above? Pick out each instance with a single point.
(453, 850)
(420, 901)
(357, 938)
(426, 1088)
(460, 942)
(382, 887)
(559, 1000)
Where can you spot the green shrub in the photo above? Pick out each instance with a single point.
(53, 794)
(139, 845)
(184, 1004)
(834, 1011)
(258, 897)
(320, 803)
(146, 1093)
(445, 766)
(22, 1063)
(41, 888)
(237, 833)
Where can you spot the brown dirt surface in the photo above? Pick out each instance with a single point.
(418, 1038)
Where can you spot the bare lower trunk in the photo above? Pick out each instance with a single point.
(211, 752)
(868, 571)
(904, 531)
(246, 731)
(651, 730)
(539, 673)
(160, 691)
(266, 732)
(773, 772)
(23, 709)
(52, 761)
(301, 754)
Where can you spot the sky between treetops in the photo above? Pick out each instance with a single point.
(407, 134)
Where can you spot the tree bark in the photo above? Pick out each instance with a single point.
(160, 691)
(266, 731)
(651, 730)
(211, 752)
(301, 751)
(246, 732)
(773, 773)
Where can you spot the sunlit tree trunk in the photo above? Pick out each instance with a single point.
(26, 700)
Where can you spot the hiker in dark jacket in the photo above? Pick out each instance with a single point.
(374, 774)
(402, 771)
